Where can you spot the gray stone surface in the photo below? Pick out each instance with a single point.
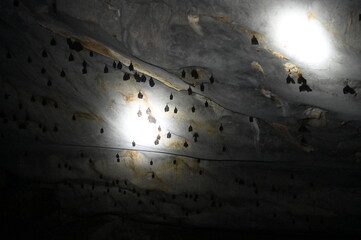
(263, 156)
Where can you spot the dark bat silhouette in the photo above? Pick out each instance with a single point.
(254, 40)
(301, 79)
(190, 91)
(211, 79)
(71, 57)
(183, 74)
(52, 42)
(74, 45)
(195, 136)
(305, 88)
(126, 76)
(140, 95)
(119, 65)
(136, 77)
(290, 80)
(349, 90)
(194, 74)
(202, 87)
(131, 68)
(151, 82)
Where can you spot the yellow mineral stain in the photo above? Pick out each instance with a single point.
(212, 129)
(284, 131)
(281, 129)
(176, 144)
(291, 68)
(279, 55)
(89, 116)
(255, 65)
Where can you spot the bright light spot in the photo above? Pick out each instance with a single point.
(138, 128)
(303, 37)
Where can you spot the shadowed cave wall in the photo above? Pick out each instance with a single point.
(179, 119)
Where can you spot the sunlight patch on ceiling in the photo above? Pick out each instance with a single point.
(302, 37)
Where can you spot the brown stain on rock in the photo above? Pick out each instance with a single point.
(292, 68)
(212, 129)
(129, 92)
(228, 22)
(176, 144)
(101, 49)
(255, 65)
(279, 55)
(130, 157)
(89, 116)
(284, 131)
(129, 97)
(328, 27)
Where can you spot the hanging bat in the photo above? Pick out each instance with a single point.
(52, 42)
(183, 74)
(194, 74)
(190, 128)
(202, 87)
(190, 91)
(254, 40)
(126, 77)
(140, 95)
(290, 80)
(301, 79)
(349, 90)
(119, 65)
(305, 88)
(131, 68)
(211, 79)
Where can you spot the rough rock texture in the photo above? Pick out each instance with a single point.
(186, 116)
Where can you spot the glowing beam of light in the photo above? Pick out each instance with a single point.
(138, 128)
(302, 37)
